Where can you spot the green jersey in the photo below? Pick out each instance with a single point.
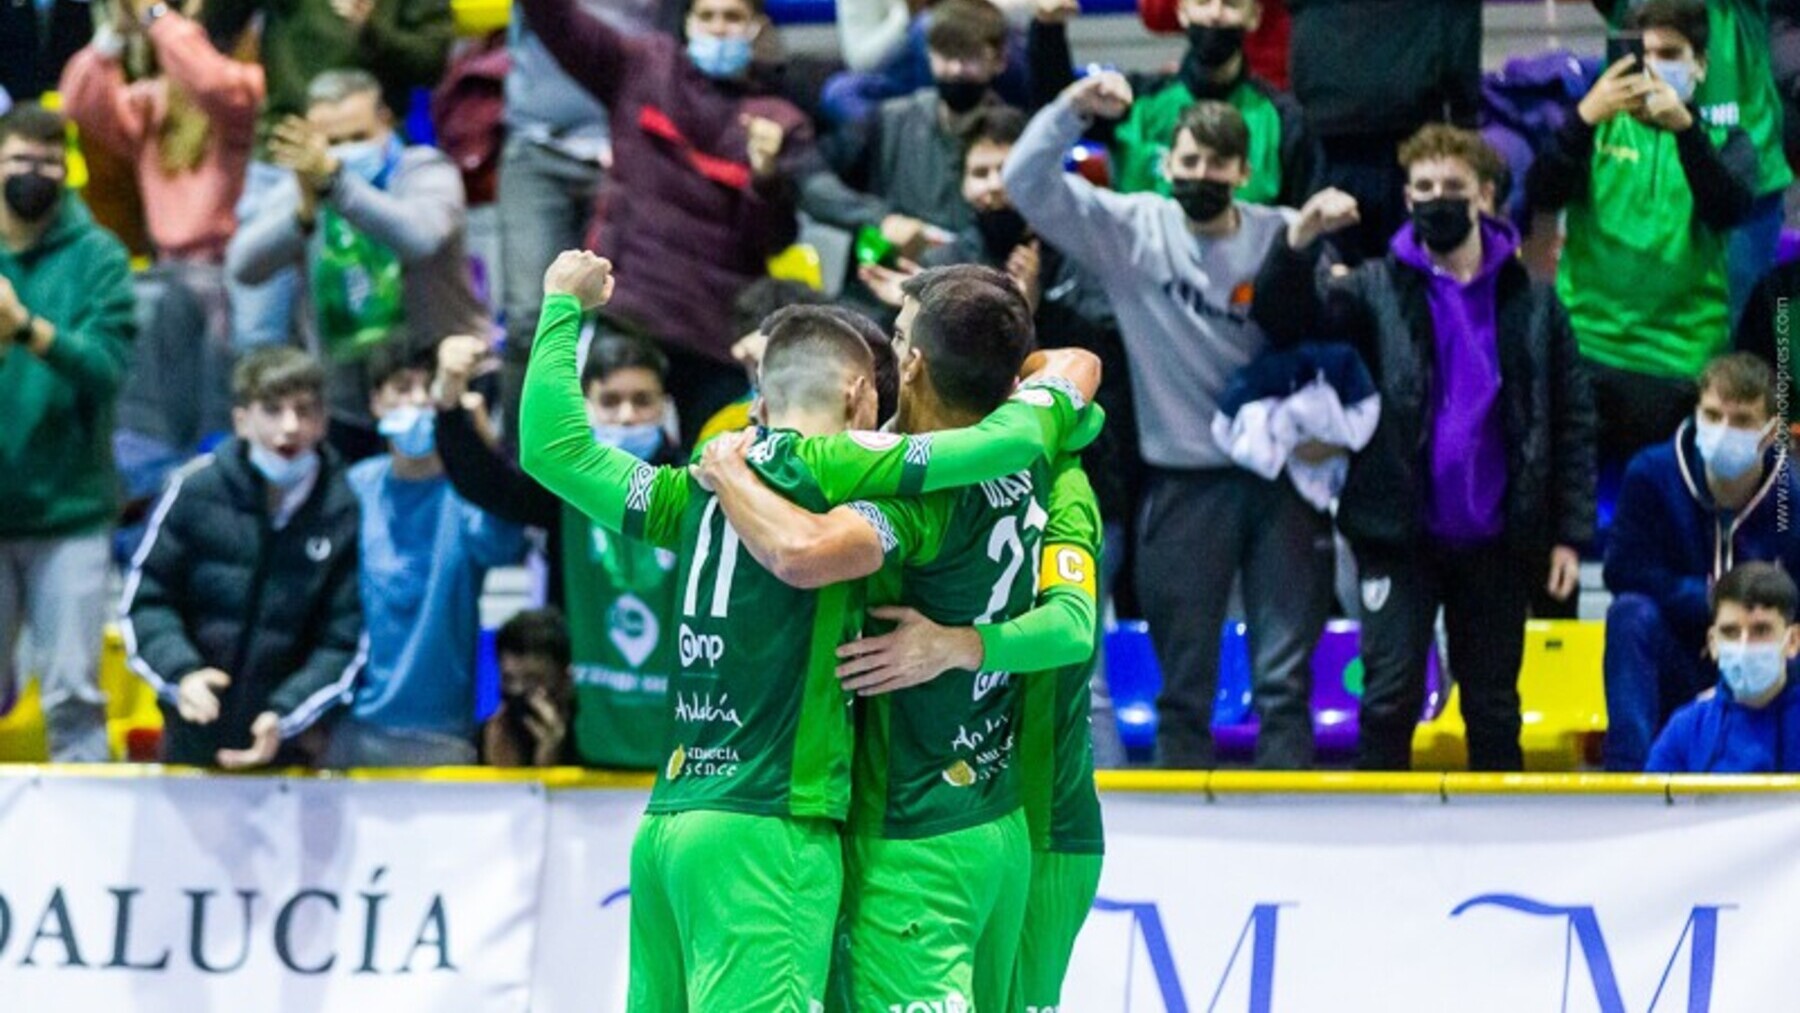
(938, 757)
(623, 663)
(1056, 747)
(1141, 141)
(759, 723)
(1637, 221)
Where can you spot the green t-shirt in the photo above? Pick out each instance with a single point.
(1739, 90)
(1642, 279)
(938, 757)
(759, 722)
(623, 662)
(1141, 141)
(1056, 747)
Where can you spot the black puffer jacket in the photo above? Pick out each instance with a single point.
(214, 585)
(1367, 67)
(1381, 309)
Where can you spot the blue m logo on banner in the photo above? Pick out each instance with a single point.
(1258, 932)
(1700, 935)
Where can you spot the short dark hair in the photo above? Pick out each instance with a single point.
(757, 300)
(275, 371)
(393, 357)
(1217, 126)
(1687, 18)
(536, 633)
(32, 122)
(887, 366)
(1440, 140)
(996, 124)
(1757, 585)
(966, 29)
(804, 343)
(974, 329)
(613, 352)
(1740, 376)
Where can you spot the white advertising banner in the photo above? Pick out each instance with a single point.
(187, 894)
(230, 894)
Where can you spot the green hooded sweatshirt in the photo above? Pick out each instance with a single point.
(56, 442)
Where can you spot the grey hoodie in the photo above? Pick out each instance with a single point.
(1183, 301)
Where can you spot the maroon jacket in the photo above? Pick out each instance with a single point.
(679, 215)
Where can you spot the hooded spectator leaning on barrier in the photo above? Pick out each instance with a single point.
(1739, 90)
(1749, 723)
(1480, 474)
(901, 171)
(1179, 274)
(1690, 509)
(624, 650)
(1651, 193)
(701, 192)
(425, 553)
(377, 226)
(530, 728)
(65, 341)
(403, 43)
(241, 607)
(1282, 159)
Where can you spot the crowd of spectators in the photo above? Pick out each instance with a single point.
(1334, 356)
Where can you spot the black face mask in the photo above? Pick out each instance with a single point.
(1201, 200)
(1212, 46)
(32, 195)
(1002, 229)
(962, 96)
(1442, 224)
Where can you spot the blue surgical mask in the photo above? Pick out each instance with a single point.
(1751, 670)
(1729, 453)
(412, 430)
(283, 472)
(1679, 74)
(720, 56)
(641, 442)
(362, 159)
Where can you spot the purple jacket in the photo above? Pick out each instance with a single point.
(679, 215)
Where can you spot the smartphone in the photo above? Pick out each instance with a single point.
(1620, 43)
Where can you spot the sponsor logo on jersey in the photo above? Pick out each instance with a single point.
(871, 440)
(697, 647)
(1005, 492)
(952, 1003)
(987, 682)
(697, 762)
(959, 775)
(703, 710)
(677, 760)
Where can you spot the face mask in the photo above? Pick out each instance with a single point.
(1001, 230)
(362, 159)
(283, 472)
(1442, 224)
(412, 430)
(1751, 670)
(1679, 74)
(962, 96)
(720, 56)
(1214, 46)
(1729, 453)
(641, 442)
(32, 195)
(1201, 200)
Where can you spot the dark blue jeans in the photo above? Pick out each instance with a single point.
(1649, 672)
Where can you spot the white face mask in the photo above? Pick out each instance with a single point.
(283, 472)
(1729, 453)
(1750, 671)
(1678, 73)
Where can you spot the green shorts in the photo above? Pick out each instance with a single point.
(1063, 886)
(732, 913)
(933, 925)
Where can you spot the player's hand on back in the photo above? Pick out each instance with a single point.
(914, 652)
(725, 460)
(1078, 366)
(581, 274)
